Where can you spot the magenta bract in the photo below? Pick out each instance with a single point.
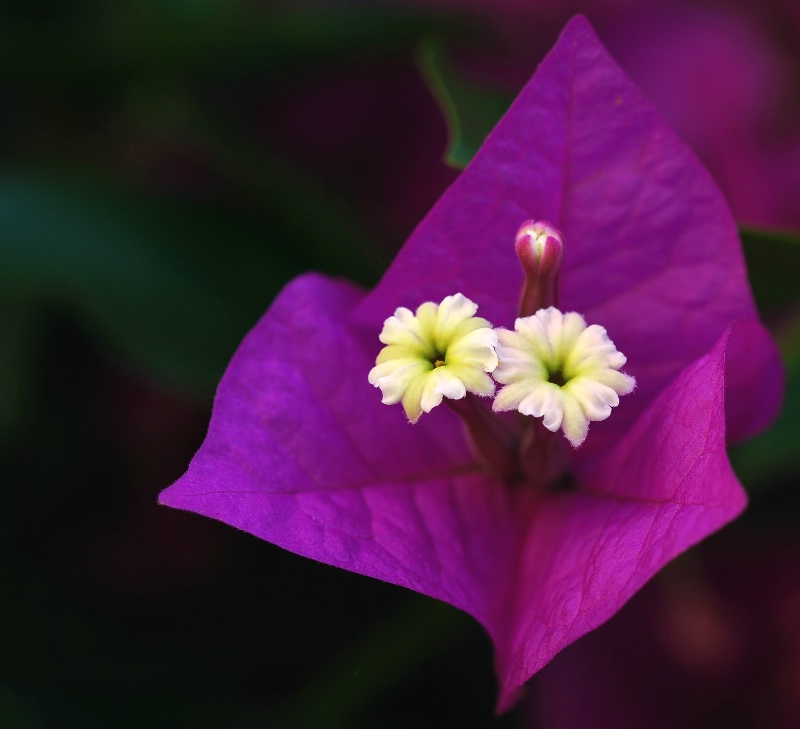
(301, 453)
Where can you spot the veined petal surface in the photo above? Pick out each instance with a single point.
(651, 250)
(300, 452)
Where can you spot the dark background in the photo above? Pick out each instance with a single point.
(166, 168)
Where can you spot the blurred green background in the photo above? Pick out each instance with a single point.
(166, 167)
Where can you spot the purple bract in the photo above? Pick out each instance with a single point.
(301, 453)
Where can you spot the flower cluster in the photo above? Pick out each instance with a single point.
(553, 365)
(467, 505)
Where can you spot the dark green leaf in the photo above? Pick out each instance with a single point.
(773, 262)
(773, 259)
(775, 454)
(388, 652)
(171, 287)
(470, 111)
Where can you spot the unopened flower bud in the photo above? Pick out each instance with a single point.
(540, 250)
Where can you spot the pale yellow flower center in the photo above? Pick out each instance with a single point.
(441, 350)
(557, 368)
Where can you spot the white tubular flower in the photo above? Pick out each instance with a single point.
(557, 368)
(441, 351)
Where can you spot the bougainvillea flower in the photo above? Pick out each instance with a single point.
(301, 452)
